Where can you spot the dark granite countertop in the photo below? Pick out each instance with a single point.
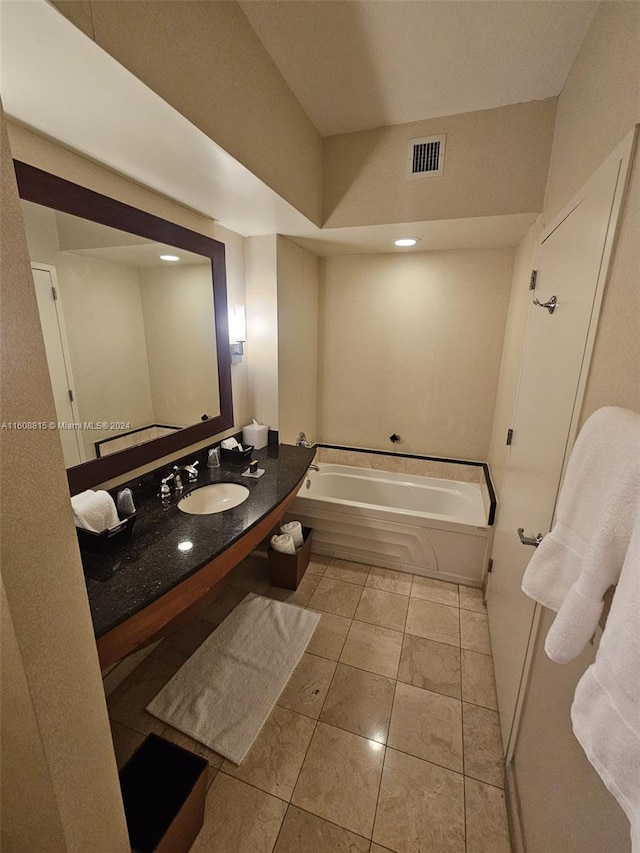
(150, 563)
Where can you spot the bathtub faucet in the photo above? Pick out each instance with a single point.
(313, 468)
(303, 441)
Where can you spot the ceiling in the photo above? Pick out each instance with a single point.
(359, 64)
(60, 83)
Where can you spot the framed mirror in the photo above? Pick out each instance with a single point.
(134, 316)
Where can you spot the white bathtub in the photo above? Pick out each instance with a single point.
(431, 527)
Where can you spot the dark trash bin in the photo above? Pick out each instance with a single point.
(287, 570)
(163, 789)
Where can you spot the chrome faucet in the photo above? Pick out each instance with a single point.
(303, 441)
(176, 476)
(313, 467)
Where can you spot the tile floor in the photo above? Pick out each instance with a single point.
(386, 737)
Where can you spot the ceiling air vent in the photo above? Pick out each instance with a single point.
(426, 157)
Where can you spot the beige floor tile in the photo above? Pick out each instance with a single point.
(382, 608)
(251, 575)
(389, 580)
(433, 621)
(239, 818)
(218, 610)
(375, 848)
(359, 702)
(275, 759)
(474, 632)
(471, 599)
(307, 688)
(335, 596)
(181, 739)
(478, 682)
(300, 596)
(486, 816)
(427, 725)
(420, 807)
(339, 779)
(345, 570)
(430, 665)
(328, 638)
(128, 702)
(305, 833)
(434, 590)
(188, 637)
(482, 744)
(170, 656)
(372, 648)
(318, 564)
(125, 742)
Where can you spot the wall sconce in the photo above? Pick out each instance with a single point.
(237, 333)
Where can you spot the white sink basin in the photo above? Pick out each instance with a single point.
(214, 498)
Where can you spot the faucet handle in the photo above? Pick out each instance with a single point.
(192, 470)
(165, 491)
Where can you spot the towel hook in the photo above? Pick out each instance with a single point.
(550, 305)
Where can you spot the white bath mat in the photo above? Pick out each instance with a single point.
(224, 693)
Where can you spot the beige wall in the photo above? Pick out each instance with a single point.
(177, 309)
(599, 103)
(411, 344)
(56, 740)
(519, 304)
(564, 803)
(496, 163)
(206, 61)
(262, 328)
(297, 341)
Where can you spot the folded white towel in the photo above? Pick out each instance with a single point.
(606, 706)
(283, 544)
(593, 517)
(294, 529)
(94, 511)
(229, 443)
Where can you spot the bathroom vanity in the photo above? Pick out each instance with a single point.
(174, 560)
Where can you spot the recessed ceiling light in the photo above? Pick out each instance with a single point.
(406, 241)
(169, 258)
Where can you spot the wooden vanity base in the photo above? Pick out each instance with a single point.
(160, 617)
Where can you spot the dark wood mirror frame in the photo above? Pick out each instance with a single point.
(51, 191)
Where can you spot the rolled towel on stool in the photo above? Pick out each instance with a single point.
(283, 544)
(294, 529)
(94, 511)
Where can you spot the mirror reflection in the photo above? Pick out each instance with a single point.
(130, 336)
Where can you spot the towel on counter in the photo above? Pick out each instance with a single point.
(294, 529)
(594, 519)
(606, 706)
(94, 511)
(283, 544)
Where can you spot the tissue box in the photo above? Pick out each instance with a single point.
(287, 570)
(255, 434)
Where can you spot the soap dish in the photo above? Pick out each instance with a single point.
(255, 476)
(102, 543)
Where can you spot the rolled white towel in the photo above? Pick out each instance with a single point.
(94, 511)
(294, 529)
(283, 543)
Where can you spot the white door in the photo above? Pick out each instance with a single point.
(55, 342)
(571, 266)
